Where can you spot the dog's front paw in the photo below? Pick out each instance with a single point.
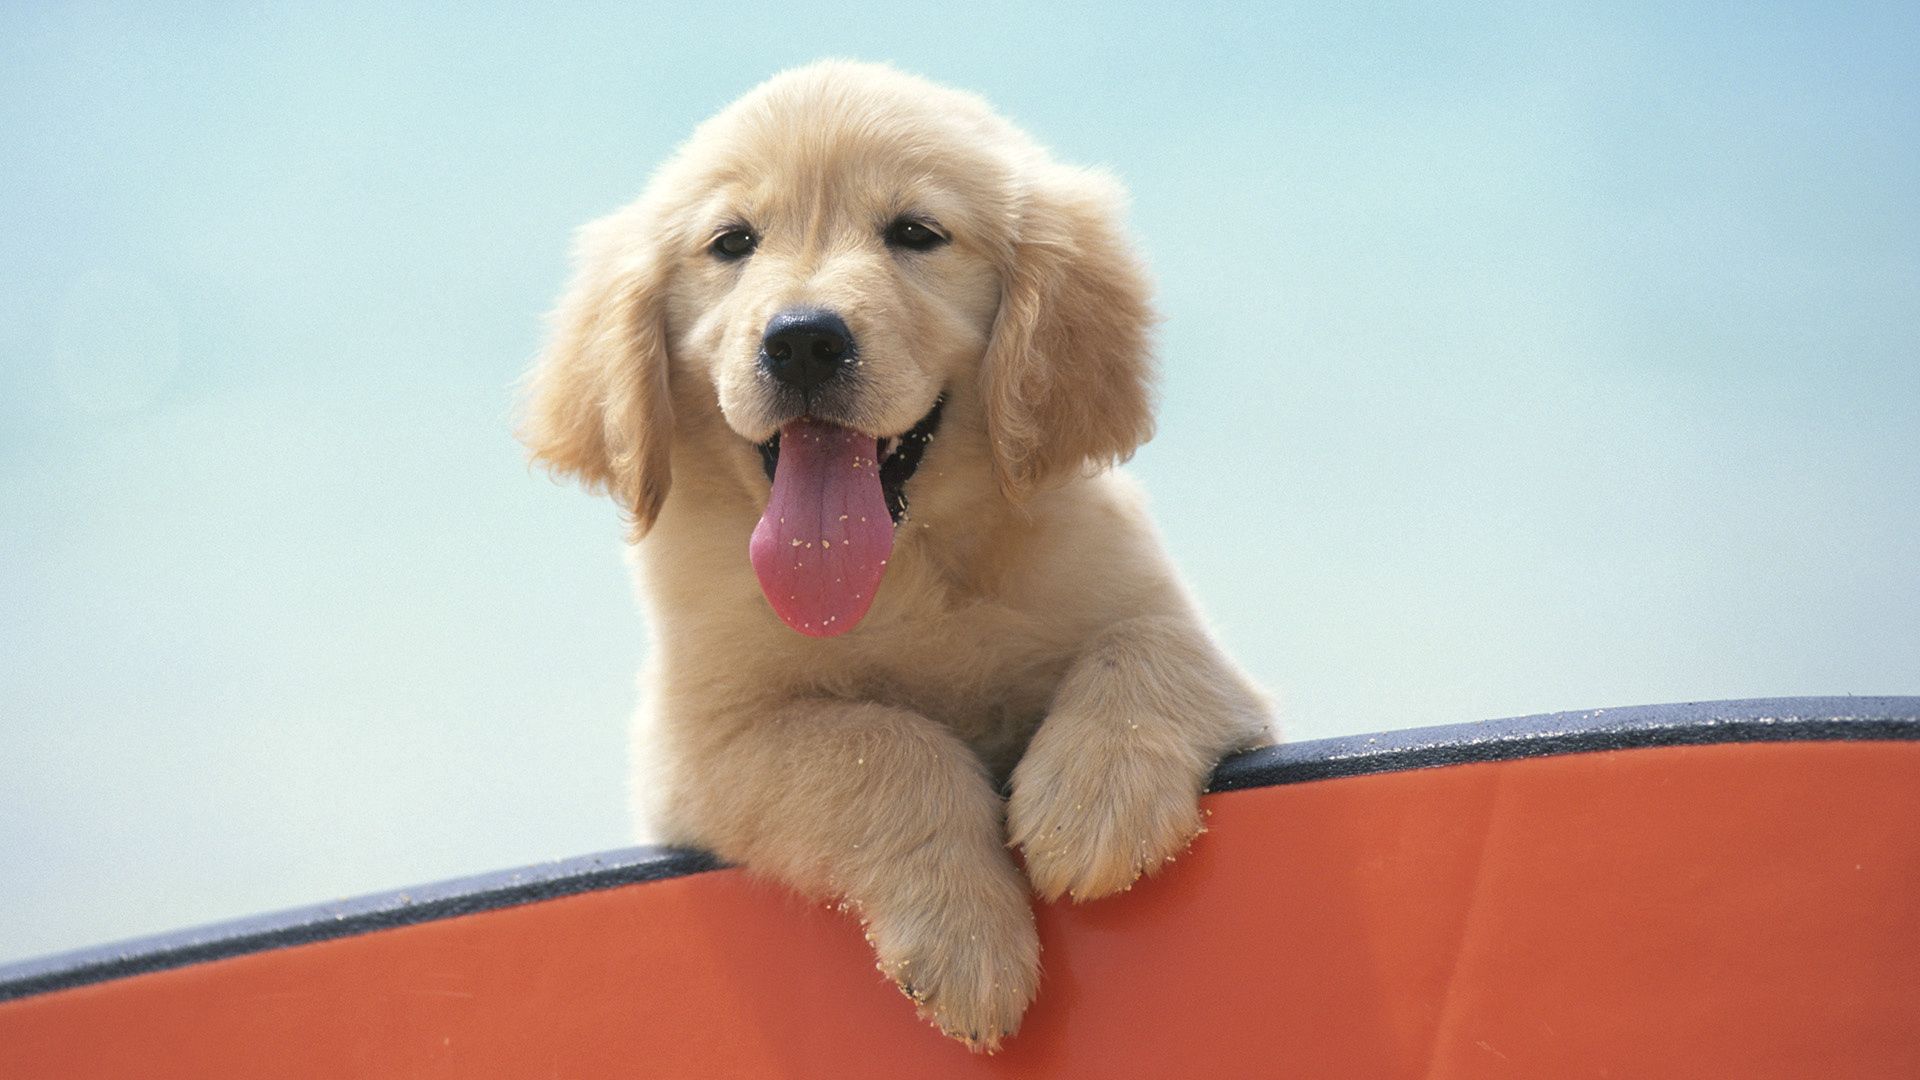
(970, 964)
(1093, 811)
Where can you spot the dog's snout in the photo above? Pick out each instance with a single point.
(805, 348)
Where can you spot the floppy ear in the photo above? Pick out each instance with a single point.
(597, 407)
(1068, 371)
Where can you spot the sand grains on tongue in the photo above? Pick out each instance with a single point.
(822, 543)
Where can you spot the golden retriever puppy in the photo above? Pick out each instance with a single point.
(857, 365)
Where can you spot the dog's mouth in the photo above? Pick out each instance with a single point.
(898, 455)
(823, 540)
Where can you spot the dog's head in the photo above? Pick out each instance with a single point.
(839, 253)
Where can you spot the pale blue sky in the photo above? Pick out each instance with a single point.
(1518, 358)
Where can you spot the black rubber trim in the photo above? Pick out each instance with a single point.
(1822, 719)
(1693, 723)
(346, 918)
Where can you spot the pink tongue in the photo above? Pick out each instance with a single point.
(823, 541)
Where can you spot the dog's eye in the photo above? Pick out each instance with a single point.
(913, 235)
(734, 244)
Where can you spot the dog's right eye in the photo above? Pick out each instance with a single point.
(734, 244)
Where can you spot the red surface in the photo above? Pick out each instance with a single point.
(1741, 911)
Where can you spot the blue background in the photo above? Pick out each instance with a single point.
(1518, 358)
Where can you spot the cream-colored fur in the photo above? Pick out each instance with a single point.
(1029, 630)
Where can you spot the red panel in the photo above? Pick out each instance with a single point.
(1742, 911)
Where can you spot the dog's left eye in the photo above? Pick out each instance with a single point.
(913, 235)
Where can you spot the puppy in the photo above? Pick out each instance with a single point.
(856, 365)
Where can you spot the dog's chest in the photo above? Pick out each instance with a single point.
(981, 670)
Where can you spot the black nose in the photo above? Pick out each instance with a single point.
(806, 347)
